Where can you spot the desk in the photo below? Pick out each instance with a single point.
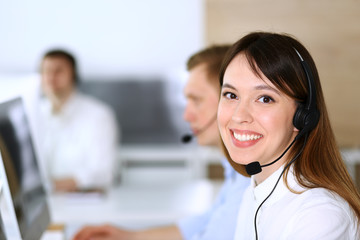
(133, 207)
(182, 162)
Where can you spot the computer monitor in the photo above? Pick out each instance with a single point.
(2, 228)
(148, 111)
(23, 203)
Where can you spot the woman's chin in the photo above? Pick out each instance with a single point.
(241, 161)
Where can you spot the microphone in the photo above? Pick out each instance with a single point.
(255, 167)
(188, 137)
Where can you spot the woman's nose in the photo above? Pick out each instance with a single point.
(242, 113)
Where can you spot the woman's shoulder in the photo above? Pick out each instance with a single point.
(327, 205)
(323, 197)
(318, 198)
(322, 207)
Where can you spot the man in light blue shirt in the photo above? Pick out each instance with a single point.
(218, 223)
(220, 220)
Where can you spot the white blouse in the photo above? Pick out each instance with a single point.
(314, 214)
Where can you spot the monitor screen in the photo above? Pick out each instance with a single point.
(147, 111)
(20, 167)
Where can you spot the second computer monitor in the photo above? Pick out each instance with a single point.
(22, 186)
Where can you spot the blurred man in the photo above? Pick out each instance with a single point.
(78, 138)
(202, 93)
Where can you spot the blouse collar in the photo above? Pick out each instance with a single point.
(261, 191)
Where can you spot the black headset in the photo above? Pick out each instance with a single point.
(307, 115)
(305, 119)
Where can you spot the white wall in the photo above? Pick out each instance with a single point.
(109, 37)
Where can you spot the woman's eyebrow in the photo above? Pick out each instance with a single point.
(226, 85)
(258, 87)
(267, 87)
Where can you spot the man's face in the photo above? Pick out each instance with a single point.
(202, 102)
(57, 77)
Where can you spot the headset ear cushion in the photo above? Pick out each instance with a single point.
(299, 119)
(306, 120)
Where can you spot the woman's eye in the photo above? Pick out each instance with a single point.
(229, 95)
(266, 99)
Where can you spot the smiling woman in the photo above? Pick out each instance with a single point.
(255, 118)
(272, 107)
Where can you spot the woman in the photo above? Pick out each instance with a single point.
(272, 115)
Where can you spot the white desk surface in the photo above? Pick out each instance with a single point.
(154, 152)
(133, 206)
(140, 206)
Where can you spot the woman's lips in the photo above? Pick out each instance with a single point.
(245, 138)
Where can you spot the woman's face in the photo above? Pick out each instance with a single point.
(254, 117)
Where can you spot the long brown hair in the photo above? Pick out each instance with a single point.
(320, 164)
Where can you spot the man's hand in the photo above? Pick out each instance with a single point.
(105, 232)
(65, 185)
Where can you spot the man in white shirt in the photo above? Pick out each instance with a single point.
(78, 134)
(202, 93)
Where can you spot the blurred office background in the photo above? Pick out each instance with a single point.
(132, 54)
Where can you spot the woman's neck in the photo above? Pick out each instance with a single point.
(268, 171)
